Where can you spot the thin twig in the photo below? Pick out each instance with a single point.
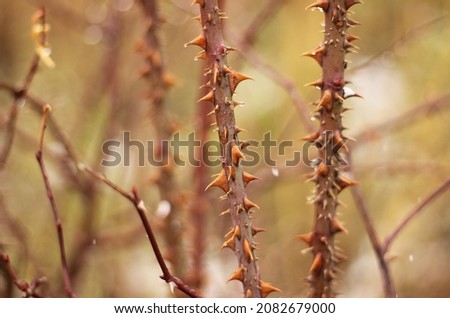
(139, 205)
(415, 212)
(39, 19)
(30, 289)
(51, 198)
(404, 120)
(360, 203)
(402, 41)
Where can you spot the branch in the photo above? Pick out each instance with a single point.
(400, 42)
(139, 205)
(51, 198)
(406, 119)
(30, 289)
(415, 212)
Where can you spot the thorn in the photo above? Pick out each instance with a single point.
(267, 288)
(344, 182)
(350, 3)
(249, 204)
(200, 56)
(228, 243)
(199, 41)
(307, 238)
(238, 274)
(248, 250)
(351, 38)
(318, 84)
(199, 2)
(236, 155)
(238, 130)
(316, 264)
(247, 177)
(317, 54)
(326, 100)
(227, 211)
(208, 97)
(197, 18)
(320, 4)
(231, 173)
(237, 232)
(220, 181)
(235, 79)
(311, 137)
(256, 230)
(339, 141)
(352, 23)
(337, 227)
(248, 293)
(322, 169)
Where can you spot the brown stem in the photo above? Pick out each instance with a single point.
(30, 289)
(51, 198)
(388, 284)
(139, 205)
(414, 212)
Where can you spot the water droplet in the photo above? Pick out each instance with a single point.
(163, 209)
(276, 172)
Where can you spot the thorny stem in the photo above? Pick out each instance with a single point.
(139, 205)
(222, 82)
(51, 198)
(329, 140)
(30, 289)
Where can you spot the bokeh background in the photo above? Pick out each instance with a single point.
(97, 92)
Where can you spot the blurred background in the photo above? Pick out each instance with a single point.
(97, 92)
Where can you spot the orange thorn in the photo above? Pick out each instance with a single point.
(248, 250)
(317, 54)
(208, 97)
(344, 182)
(247, 177)
(228, 243)
(267, 288)
(318, 83)
(337, 227)
(236, 155)
(220, 181)
(322, 169)
(249, 204)
(256, 230)
(307, 238)
(200, 56)
(326, 100)
(317, 264)
(199, 2)
(238, 274)
(311, 137)
(199, 41)
(320, 4)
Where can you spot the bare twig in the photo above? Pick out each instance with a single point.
(406, 119)
(139, 205)
(30, 289)
(388, 284)
(51, 198)
(415, 212)
(402, 41)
